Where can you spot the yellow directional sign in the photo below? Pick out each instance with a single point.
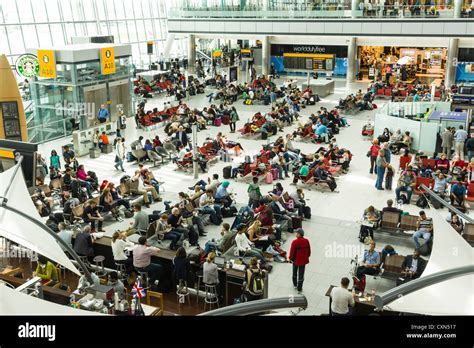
(47, 64)
(107, 61)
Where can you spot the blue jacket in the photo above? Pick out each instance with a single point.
(321, 129)
(103, 114)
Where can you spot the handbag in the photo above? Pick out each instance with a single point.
(117, 159)
(369, 153)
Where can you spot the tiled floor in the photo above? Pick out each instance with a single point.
(333, 224)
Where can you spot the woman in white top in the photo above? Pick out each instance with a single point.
(119, 154)
(245, 247)
(119, 243)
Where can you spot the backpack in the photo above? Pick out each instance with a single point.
(256, 284)
(363, 233)
(125, 179)
(422, 202)
(404, 199)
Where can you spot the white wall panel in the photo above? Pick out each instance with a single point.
(333, 27)
(350, 28)
(410, 28)
(315, 27)
(393, 28)
(281, 27)
(433, 28)
(233, 27)
(200, 26)
(371, 28)
(264, 27)
(297, 27)
(470, 29)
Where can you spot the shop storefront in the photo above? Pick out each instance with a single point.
(403, 63)
(465, 67)
(304, 58)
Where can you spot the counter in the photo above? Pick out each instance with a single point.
(321, 87)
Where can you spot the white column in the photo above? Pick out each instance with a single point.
(191, 53)
(451, 62)
(168, 45)
(457, 8)
(354, 8)
(266, 55)
(351, 59)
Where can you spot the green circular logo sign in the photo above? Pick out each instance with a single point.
(27, 65)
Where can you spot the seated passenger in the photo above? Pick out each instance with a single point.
(424, 229)
(406, 183)
(442, 164)
(391, 208)
(219, 244)
(207, 206)
(458, 194)
(46, 270)
(222, 196)
(116, 284)
(412, 268)
(370, 263)
(245, 247)
(457, 224)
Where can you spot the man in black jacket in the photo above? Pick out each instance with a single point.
(412, 268)
(182, 136)
(469, 144)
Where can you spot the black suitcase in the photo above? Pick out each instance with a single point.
(307, 212)
(332, 184)
(227, 172)
(229, 212)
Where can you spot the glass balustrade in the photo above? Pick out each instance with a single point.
(318, 9)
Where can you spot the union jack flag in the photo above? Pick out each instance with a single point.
(138, 291)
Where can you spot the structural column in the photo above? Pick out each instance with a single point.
(458, 8)
(266, 55)
(191, 53)
(354, 8)
(351, 59)
(451, 62)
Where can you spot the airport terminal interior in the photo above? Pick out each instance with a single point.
(184, 157)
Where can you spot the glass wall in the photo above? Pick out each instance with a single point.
(43, 23)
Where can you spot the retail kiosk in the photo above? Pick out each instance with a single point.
(74, 82)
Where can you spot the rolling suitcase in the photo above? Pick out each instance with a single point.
(227, 172)
(275, 173)
(307, 212)
(218, 122)
(226, 119)
(269, 178)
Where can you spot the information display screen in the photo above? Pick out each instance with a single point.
(11, 120)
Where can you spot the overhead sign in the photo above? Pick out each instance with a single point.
(107, 61)
(47, 64)
(448, 116)
(27, 66)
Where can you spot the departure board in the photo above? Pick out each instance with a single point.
(11, 121)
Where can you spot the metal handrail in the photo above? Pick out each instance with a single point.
(63, 244)
(259, 306)
(387, 297)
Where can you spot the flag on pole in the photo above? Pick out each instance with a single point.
(138, 291)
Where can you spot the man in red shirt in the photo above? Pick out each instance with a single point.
(300, 252)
